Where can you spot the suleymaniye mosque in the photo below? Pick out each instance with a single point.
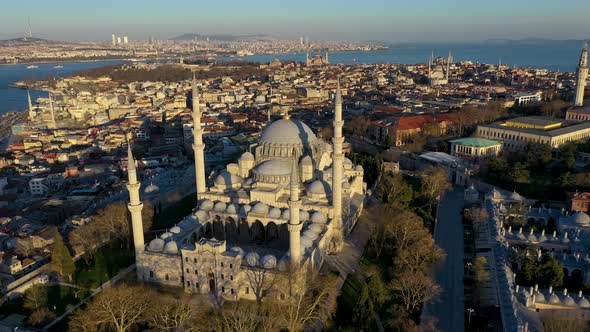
(287, 204)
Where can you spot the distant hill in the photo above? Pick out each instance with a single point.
(531, 41)
(24, 41)
(191, 36)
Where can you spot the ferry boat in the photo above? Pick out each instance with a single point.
(58, 67)
(32, 67)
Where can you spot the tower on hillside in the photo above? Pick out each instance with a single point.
(198, 145)
(581, 76)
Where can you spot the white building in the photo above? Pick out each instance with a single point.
(527, 98)
(38, 187)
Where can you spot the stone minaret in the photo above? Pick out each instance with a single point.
(581, 76)
(198, 145)
(448, 66)
(51, 110)
(295, 224)
(135, 205)
(337, 166)
(30, 111)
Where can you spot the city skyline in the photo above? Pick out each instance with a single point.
(458, 20)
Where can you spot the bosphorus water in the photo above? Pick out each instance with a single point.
(553, 55)
(15, 99)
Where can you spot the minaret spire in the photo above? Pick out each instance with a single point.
(581, 76)
(198, 145)
(135, 205)
(295, 224)
(448, 65)
(51, 111)
(337, 166)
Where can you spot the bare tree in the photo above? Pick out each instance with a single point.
(119, 308)
(24, 247)
(87, 238)
(262, 282)
(478, 217)
(236, 318)
(113, 220)
(171, 314)
(435, 182)
(414, 289)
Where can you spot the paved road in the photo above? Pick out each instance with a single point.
(449, 273)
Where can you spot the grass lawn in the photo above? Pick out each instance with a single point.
(105, 264)
(173, 214)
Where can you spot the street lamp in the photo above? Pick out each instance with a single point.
(469, 264)
(470, 311)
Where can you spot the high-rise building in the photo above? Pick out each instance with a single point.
(125, 40)
(118, 40)
(113, 39)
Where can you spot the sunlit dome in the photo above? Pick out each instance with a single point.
(171, 247)
(287, 131)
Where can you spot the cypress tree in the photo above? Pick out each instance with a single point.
(62, 263)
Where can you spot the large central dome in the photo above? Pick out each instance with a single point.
(288, 132)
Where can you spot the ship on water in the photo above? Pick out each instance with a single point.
(32, 67)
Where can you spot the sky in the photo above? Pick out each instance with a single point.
(382, 20)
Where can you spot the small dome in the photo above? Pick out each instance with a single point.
(239, 250)
(515, 196)
(220, 206)
(227, 179)
(176, 230)
(554, 299)
(260, 208)
(581, 218)
(166, 235)
(539, 297)
(247, 156)
(306, 161)
(345, 185)
(231, 209)
(316, 228)
(286, 214)
(319, 187)
(156, 245)
(171, 247)
(202, 216)
(275, 213)
(310, 235)
(206, 205)
(246, 208)
(306, 242)
(252, 258)
(347, 163)
(583, 303)
(359, 168)
(303, 215)
(268, 261)
(569, 301)
(151, 189)
(318, 218)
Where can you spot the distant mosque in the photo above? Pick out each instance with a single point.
(438, 70)
(316, 60)
(286, 206)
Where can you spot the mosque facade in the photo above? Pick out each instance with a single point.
(287, 205)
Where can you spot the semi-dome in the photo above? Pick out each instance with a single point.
(176, 230)
(319, 187)
(268, 261)
(225, 178)
(273, 167)
(156, 245)
(581, 218)
(171, 247)
(287, 131)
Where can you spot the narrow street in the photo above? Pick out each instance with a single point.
(448, 309)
